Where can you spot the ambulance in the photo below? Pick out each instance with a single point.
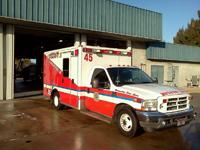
(100, 82)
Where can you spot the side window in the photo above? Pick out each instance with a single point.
(66, 67)
(100, 79)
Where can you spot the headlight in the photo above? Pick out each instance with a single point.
(149, 105)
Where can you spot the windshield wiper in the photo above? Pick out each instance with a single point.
(126, 83)
(146, 82)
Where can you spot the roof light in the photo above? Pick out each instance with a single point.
(124, 53)
(129, 53)
(96, 51)
(76, 52)
(116, 52)
(87, 50)
(106, 52)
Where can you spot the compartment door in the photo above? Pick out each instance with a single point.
(73, 75)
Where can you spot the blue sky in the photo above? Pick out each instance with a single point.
(176, 13)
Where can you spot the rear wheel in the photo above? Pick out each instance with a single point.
(127, 122)
(56, 101)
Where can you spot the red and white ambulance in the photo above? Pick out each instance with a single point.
(101, 83)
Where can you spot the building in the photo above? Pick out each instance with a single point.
(172, 64)
(30, 27)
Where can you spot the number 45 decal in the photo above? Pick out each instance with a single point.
(88, 57)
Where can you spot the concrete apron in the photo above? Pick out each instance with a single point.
(35, 124)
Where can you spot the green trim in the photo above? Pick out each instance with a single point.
(173, 52)
(94, 15)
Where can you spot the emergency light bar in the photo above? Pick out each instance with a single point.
(105, 51)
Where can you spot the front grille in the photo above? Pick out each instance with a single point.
(177, 103)
(172, 108)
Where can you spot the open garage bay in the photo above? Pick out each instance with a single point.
(30, 44)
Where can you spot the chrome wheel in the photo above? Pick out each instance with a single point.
(126, 122)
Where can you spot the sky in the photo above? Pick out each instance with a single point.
(176, 14)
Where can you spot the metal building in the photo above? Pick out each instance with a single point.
(172, 64)
(30, 27)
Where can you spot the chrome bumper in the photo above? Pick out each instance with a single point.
(157, 120)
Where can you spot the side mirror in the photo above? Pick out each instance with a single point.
(107, 85)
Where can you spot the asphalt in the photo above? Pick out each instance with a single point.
(32, 123)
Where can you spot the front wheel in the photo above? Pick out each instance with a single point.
(127, 122)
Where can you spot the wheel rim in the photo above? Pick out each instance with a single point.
(56, 101)
(126, 122)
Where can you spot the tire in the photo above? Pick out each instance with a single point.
(127, 122)
(56, 101)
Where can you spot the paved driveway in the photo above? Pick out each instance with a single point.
(34, 124)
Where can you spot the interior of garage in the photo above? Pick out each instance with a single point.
(30, 44)
(103, 41)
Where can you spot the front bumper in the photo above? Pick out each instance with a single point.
(157, 120)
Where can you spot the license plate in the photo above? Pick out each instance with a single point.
(180, 122)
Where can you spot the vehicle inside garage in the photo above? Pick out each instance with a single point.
(30, 44)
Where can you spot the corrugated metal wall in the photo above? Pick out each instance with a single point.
(96, 15)
(173, 52)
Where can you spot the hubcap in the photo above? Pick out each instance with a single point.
(56, 101)
(126, 122)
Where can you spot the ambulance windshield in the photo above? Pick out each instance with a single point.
(124, 76)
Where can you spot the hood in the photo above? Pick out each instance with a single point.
(150, 91)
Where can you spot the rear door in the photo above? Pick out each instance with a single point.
(68, 87)
(73, 75)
